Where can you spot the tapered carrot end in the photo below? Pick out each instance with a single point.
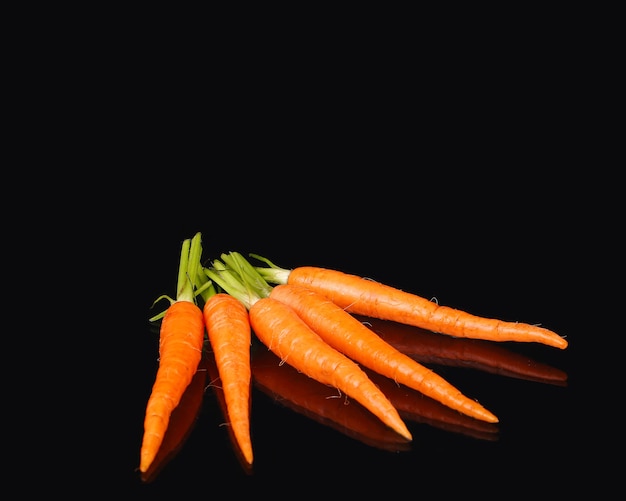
(489, 417)
(242, 446)
(396, 423)
(146, 459)
(550, 338)
(242, 439)
(477, 411)
(145, 464)
(248, 457)
(404, 432)
(473, 409)
(150, 446)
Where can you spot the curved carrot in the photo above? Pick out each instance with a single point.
(321, 403)
(373, 299)
(181, 338)
(281, 329)
(414, 406)
(215, 383)
(429, 348)
(349, 336)
(181, 424)
(180, 350)
(229, 332)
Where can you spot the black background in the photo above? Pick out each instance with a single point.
(476, 180)
(500, 243)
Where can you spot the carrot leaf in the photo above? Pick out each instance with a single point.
(158, 316)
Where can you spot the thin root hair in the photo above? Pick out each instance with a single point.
(213, 385)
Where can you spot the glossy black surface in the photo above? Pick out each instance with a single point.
(489, 202)
(469, 259)
(480, 179)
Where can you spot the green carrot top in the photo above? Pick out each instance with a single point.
(192, 281)
(235, 275)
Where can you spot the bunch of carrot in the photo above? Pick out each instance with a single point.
(222, 323)
(307, 318)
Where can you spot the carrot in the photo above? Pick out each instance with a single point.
(180, 350)
(362, 296)
(349, 336)
(229, 332)
(215, 383)
(182, 422)
(415, 406)
(430, 348)
(280, 328)
(321, 403)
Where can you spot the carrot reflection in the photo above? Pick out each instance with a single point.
(428, 347)
(414, 406)
(182, 421)
(321, 403)
(326, 406)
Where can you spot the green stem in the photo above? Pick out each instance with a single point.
(188, 268)
(273, 274)
(183, 264)
(231, 283)
(247, 273)
(206, 287)
(191, 282)
(239, 278)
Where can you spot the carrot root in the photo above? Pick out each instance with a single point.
(280, 328)
(351, 337)
(229, 332)
(361, 296)
(180, 349)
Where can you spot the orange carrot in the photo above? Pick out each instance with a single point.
(362, 296)
(181, 424)
(281, 329)
(429, 348)
(322, 403)
(351, 337)
(415, 406)
(215, 383)
(180, 350)
(229, 332)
